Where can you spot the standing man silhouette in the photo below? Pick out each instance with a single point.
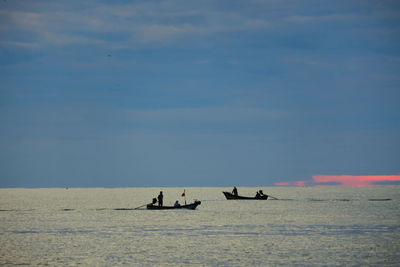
(234, 191)
(160, 199)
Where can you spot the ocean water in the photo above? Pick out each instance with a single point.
(305, 227)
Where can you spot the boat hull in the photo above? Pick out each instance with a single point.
(191, 206)
(231, 196)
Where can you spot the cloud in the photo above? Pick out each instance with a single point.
(151, 22)
(202, 117)
(346, 180)
(27, 45)
(352, 180)
(336, 18)
(139, 23)
(309, 61)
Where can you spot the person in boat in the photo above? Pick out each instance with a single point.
(258, 194)
(160, 199)
(177, 204)
(261, 193)
(234, 191)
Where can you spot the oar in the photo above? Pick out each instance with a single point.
(140, 206)
(272, 197)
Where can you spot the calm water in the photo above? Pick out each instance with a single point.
(307, 226)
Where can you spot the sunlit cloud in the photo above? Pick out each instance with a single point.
(346, 180)
(350, 180)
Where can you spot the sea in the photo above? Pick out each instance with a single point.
(305, 226)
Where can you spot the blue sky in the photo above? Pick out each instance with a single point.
(197, 93)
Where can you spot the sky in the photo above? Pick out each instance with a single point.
(199, 93)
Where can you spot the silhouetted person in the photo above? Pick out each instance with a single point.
(160, 199)
(258, 195)
(177, 204)
(261, 193)
(234, 191)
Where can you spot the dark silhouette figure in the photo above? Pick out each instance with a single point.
(160, 199)
(261, 193)
(177, 204)
(258, 195)
(234, 191)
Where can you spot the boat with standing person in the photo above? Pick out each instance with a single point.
(190, 206)
(157, 203)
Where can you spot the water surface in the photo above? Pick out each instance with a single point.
(96, 226)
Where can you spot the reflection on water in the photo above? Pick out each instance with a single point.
(306, 226)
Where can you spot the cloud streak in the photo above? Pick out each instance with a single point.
(346, 181)
(149, 22)
(139, 23)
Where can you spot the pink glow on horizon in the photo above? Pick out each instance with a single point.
(344, 180)
(300, 183)
(282, 184)
(352, 180)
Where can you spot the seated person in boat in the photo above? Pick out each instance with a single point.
(258, 194)
(235, 191)
(177, 204)
(261, 193)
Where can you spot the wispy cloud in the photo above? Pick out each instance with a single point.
(45, 24)
(140, 23)
(203, 116)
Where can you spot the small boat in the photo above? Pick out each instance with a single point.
(191, 206)
(232, 196)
